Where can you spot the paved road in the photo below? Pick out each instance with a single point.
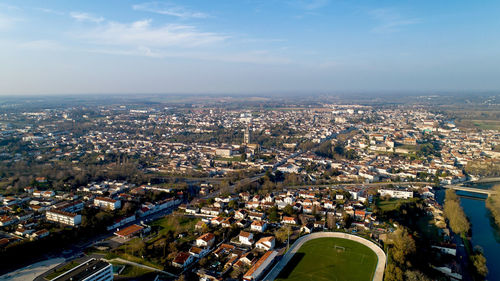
(379, 271)
(32, 271)
(76, 250)
(362, 184)
(462, 258)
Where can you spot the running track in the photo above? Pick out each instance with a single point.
(379, 270)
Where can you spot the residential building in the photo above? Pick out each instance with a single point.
(255, 272)
(266, 243)
(63, 217)
(107, 203)
(246, 238)
(206, 240)
(129, 231)
(396, 193)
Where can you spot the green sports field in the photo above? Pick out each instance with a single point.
(331, 259)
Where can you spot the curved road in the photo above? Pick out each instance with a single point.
(379, 270)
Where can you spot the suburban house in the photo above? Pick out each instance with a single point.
(288, 220)
(266, 243)
(246, 238)
(259, 226)
(183, 259)
(206, 240)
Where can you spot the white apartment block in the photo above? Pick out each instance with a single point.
(107, 203)
(396, 193)
(63, 217)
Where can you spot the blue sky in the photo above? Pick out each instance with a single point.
(248, 46)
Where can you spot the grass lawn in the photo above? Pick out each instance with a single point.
(175, 223)
(390, 205)
(131, 271)
(62, 270)
(331, 259)
(230, 159)
(135, 259)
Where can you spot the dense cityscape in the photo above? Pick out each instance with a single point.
(212, 192)
(254, 140)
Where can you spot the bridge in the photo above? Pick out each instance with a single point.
(488, 180)
(488, 192)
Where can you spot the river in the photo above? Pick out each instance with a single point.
(484, 232)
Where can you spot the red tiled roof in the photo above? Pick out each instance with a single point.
(258, 263)
(129, 230)
(207, 237)
(181, 257)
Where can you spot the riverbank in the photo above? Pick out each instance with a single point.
(493, 204)
(484, 232)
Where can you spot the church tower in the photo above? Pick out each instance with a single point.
(247, 137)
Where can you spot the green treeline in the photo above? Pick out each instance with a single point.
(455, 214)
(493, 204)
(335, 151)
(460, 225)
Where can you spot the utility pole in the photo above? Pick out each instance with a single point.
(288, 239)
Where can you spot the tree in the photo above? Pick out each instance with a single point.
(267, 187)
(233, 204)
(224, 186)
(393, 273)
(282, 233)
(415, 275)
(404, 246)
(292, 179)
(455, 214)
(288, 210)
(273, 214)
(331, 221)
(479, 262)
(493, 204)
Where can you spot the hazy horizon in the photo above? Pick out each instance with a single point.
(250, 47)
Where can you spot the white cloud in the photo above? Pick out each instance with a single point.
(50, 11)
(390, 20)
(254, 57)
(309, 5)
(79, 16)
(42, 45)
(7, 22)
(169, 9)
(142, 33)
(9, 7)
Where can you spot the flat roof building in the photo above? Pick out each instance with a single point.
(92, 270)
(129, 231)
(63, 217)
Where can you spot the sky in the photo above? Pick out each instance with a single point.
(248, 46)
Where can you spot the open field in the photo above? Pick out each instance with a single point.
(391, 204)
(481, 124)
(175, 223)
(331, 259)
(131, 271)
